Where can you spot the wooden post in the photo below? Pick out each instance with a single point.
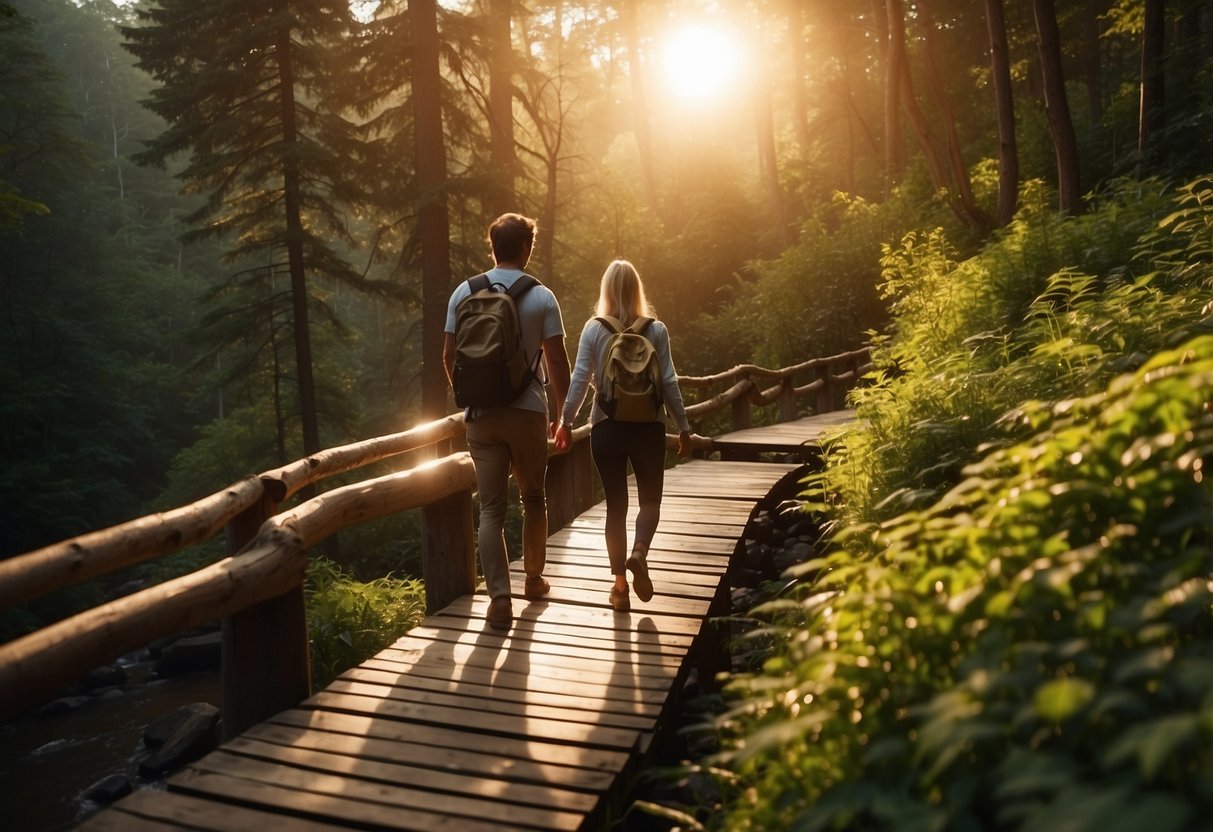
(840, 390)
(569, 485)
(266, 658)
(448, 551)
(560, 489)
(740, 419)
(787, 400)
(825, 396)
(583, 477)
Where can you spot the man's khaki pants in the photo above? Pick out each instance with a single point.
(501, 440)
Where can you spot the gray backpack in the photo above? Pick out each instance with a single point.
(491, 366)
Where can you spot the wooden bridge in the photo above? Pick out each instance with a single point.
(455, 726)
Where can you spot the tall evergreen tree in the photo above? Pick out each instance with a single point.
(239, 81)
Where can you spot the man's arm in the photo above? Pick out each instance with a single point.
(557, 361)
(448, 357)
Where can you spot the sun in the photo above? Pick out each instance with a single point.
(699, 62)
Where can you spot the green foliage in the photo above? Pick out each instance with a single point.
(1018, 636)
(349, 621)
(818, 297)
(973, 338)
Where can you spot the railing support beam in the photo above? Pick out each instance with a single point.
(266, 662)
(448, 551)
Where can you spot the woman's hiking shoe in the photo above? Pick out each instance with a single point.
(619, 599)
(536, 587)
(501, 613)
(640, 576)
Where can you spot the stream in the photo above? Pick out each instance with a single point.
(47, 762)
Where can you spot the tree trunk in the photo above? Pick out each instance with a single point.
(432, 220)
(501, 106)
(796, 60)
(640, 102)
(1092, 66)
(292, 204)
(1004, 103)
(1057, 107)
(768, 161)
(895, 61)
(1152, 114)
(971, 212)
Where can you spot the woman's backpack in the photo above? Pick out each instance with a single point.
(491, 366)
(631, 388)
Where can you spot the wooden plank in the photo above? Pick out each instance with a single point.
(371, 806)
(668, 525)
(530, 704)
(666, 604)
(148, 810)
(417, 777)
(526, 758)
(555, 654)
(515, 668)
(550, 730)
(559, 643)
(688, 584)
(646, 638)
(681, 561)
(584, 539)
(475, 607)
(447, 760)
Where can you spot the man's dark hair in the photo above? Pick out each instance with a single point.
(511, 236)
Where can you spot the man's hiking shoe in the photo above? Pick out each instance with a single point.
(619, 599)
(536, 587)
(640, 576)
(501, 613)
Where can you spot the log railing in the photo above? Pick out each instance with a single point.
(257, 590)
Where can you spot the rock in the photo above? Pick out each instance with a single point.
(109, 789)
(197, 734)
(157, 733)
(109, 676)
(745, 597)
(63, 705)
(756, 556)
(190, 655)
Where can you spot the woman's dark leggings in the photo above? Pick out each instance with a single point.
(614, 445)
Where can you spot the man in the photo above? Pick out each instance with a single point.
(514, 437)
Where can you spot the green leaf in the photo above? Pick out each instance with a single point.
(1060, 699)
(1153, 743)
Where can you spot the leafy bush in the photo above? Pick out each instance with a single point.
(1022, 640)
(349, 621)
(966, 347)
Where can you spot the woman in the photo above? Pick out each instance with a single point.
(615, 443)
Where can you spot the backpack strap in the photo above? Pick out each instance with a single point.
(613, 324)
(478, 283)
(522, 285)
(640, 325)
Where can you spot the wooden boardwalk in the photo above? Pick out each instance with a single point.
(800, 437)
(458, 727)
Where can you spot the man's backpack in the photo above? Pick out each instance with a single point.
(491, 366)
(631, 389)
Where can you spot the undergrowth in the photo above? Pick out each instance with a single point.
(349, 620)
(1011, 626)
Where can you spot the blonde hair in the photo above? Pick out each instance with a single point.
(622, 293)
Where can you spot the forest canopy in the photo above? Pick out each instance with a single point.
(227, 228)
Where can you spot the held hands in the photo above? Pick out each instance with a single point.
(562, 437)
(684, 443)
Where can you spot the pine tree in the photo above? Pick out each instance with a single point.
(239, 84)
